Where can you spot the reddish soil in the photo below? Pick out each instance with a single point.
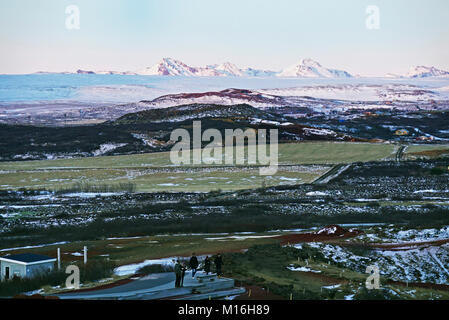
(431, 153)
(227, 93)
(329, 233)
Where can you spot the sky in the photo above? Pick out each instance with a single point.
(269, 34)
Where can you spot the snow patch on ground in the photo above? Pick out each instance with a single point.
(132, 268)
(316, 193)
(302, 269)
(106, 147)
(31, 247)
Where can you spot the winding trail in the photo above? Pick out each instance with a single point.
(400, 153)
(332, 173)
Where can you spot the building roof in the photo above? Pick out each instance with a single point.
(27, 258)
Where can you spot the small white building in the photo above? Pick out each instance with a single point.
(24, 265)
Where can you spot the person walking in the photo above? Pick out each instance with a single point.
(218, 263)
(178, 274)
(193, 264)
(207, 265)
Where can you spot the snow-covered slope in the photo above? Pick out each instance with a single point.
(228, 69)
(172, 67)
(363, 92)
(424, 72)
(309, 68)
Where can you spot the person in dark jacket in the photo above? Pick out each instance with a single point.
(193, 264)
(218, 263)
(207, 265)
(178, 274)
(183, 273)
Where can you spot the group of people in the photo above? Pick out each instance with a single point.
(181, 267)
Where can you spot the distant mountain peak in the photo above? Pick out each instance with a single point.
(79, 71)
(169, 67)
(229, 69)
(309, 68)
(309, 62)
(424, 72)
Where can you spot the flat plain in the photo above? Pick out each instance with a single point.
(150, 172)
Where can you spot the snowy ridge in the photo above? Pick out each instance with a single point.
(228, 69)
(309, 68)
(363, 92)
(425, 72)
(225, 97)
(172, 67)
(306, 68)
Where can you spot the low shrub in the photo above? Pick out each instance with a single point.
(155, 268)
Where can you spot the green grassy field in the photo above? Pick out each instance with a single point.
(426, 151)
(154, 180)
(155, 172)
(289, 153)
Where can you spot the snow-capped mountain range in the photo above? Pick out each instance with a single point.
(305, 68)
(172, 67)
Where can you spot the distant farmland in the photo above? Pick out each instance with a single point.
(426, 151)
(299, 163)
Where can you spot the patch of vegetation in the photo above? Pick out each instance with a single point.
(98, 188)
(375, 294)
(265, 265)
(437, 171)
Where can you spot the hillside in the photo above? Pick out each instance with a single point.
(148, 131)
(195, 111)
